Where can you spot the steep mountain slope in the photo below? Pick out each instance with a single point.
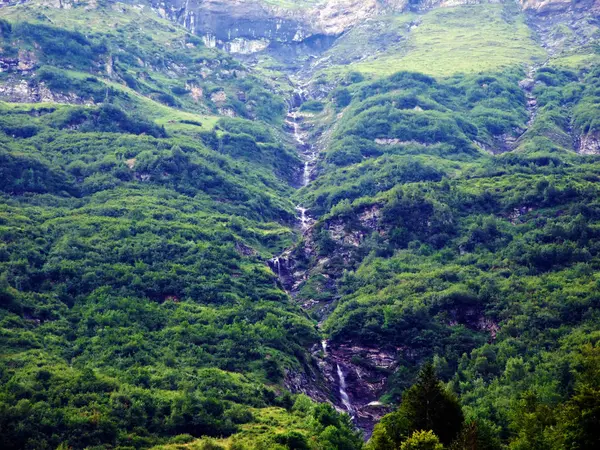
(137, 218)
(164, 279)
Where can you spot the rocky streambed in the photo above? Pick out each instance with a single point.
(349, 376)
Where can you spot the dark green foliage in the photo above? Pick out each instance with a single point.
(61, 48)
(255, 143)
(15, 128)
(567, 103)
(369, 178)
(83, 409)
(20, 174)
(129, 55)
(483, 263)
(312, 106)
(571, 424)
(87, 89)
(134, 298)
(167, 99)
(293, 440)
(476, 435)
(410, 113)
(427, 405)
(5, 28)
(353, 77)
(335, 430)
(341, 97)
(136, 305)
(269, 107)
(112, 119)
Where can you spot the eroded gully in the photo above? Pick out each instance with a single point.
(326, 378)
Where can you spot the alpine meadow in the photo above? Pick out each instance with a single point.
(300, 224)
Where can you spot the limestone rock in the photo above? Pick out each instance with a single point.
(589, 144)
(196, 92)
(219, 97)
(549, 6)
(27, 60)
(20, 91)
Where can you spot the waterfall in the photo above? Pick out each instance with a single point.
(304, 219)
(309, 159)
(277, 265)
(293, 121)
(308, 154)
(306, 175)
(324, 346)
(307, 151)
(343, 393)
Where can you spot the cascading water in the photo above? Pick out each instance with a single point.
(309, 156)
(306, 174)
(304, 219)
(296, 128)
(278, 264)
(343, 393)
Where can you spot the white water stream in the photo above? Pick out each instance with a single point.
(280, 263)
(309, 156)
(304, 219)
(343, 393)
(277, 263)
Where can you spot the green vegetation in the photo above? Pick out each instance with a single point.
(303, 425)
(135, 60)
(425, 406)
(485, 264)
(128, 262)
(411, 127)
(135, 301)
(429, 406)
(444, 42)
(312, 106)
(146, 182)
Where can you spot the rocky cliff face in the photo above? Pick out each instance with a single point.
(248, 26)
(251, 26)
(351, 377)
(589, 144)
(549, 6)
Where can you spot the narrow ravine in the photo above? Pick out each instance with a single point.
(308, 154)
(527, 85)
(331, 375)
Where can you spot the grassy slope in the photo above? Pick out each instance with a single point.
(161, 57)
(446, 41)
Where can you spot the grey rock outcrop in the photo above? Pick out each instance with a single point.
(589, 144)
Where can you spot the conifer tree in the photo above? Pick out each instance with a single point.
(429, 406)
(426, 406)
